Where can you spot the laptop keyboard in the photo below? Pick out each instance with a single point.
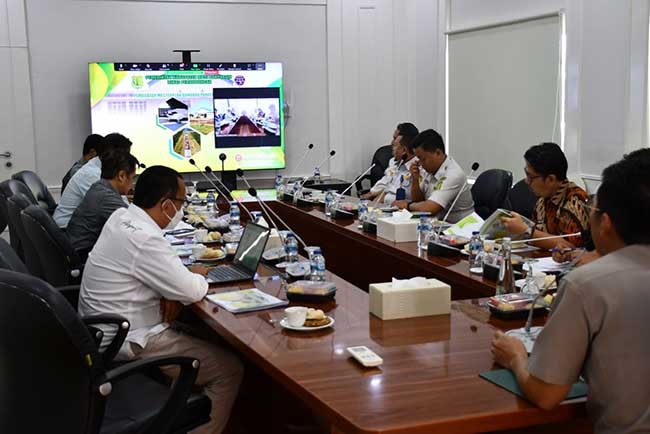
(221, 274)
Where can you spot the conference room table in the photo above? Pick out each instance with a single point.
(428, 383)
(362, 258)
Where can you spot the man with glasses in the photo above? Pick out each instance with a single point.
(561, 207)
(598, 326)
(396, 175)
(133, 269)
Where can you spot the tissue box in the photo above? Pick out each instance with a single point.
(397, 231)
(432, 298)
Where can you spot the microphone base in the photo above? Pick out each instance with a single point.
(229, 179)
(287, 197)
(340, 214)
(369, 228)
(528, 338)
(438, 249)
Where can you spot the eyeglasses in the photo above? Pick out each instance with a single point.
(591, 204)
(532, 177)
(183, 201)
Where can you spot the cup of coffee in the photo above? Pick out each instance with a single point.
(201, 235)
(296, 315)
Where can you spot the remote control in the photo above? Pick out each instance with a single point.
(365, 356)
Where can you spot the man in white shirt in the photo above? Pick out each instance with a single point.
(133, 269)
(89, 174)
(385, 188)
(440, 185)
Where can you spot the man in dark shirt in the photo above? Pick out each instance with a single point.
(92, 147)
(103, 197)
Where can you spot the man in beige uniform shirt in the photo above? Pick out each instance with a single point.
(600, 321)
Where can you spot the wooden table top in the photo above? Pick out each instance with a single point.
(363, 258)
(429, 380)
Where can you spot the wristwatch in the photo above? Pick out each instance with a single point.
(408, 205)
(529, 232)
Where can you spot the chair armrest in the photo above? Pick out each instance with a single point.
(71, 293)
(117, 342)
(180, 390)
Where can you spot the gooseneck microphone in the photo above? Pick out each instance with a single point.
(306, 178)
(355, 181)
(302, 159)
(475, 167)
(267, 209)
(193, 163)
(222, 157)
(208, 169)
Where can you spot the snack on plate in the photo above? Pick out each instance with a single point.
(194, 219)
(316, 318)
(214, 236)
(213, 254)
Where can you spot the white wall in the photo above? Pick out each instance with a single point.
(65, 35)
(354, 68)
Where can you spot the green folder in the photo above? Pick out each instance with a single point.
(506, 379)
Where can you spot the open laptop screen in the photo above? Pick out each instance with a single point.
(251, 246)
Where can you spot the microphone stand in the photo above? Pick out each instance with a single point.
(269, 211)
(339, 213)
(302, 159)
(208, 169)
(475, 167)
(193, 163)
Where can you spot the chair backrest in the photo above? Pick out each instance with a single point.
(19, 240)
(490, 191)
(49, 364)
(521, 199)
(59, 260)
(9, 260)
(381, 158)
(38, 188)
(8, 188)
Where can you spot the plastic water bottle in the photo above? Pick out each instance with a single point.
(297, 191)
(291, 248)
(476, 254)
(424, 227)
(234, 216)
(317, 175)
(363, 210)
(211, 199)
(506, 279)
(329, 201)
(279, 186)
(257, 215)
(317, 266)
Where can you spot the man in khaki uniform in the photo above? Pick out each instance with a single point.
(599, 324)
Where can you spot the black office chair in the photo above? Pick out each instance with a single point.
(521, 200)
(9, 260)
(7, 189)
(19, 241)
(38, 188)
(381, 159)
(490, 191)
(56, 381)
(60, 262)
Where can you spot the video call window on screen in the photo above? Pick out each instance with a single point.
(245, 117)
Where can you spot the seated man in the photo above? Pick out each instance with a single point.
(598, 326)
(92, 145)
(561, 207)
(402, 137)
(89, 174)
(441, 183)
(132, 270)
(103, 197)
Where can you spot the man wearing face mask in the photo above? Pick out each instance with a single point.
(131, 271)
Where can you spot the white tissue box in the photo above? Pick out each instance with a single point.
(274, 240)
(397, 231)
(433, 298)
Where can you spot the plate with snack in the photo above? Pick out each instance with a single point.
(315, 320)
(515, 305)
(210, 255)
(214, 237)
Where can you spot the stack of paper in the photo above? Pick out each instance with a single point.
(246, 300)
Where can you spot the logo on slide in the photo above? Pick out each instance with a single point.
(239, 80)
(137, 81)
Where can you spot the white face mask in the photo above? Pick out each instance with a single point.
(173, 221)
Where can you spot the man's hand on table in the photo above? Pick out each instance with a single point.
(199, 269)
(508, 351)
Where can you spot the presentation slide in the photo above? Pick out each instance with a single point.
(173, 112)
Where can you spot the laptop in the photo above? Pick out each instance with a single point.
(247, 257)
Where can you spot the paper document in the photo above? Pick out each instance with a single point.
(246, 300)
